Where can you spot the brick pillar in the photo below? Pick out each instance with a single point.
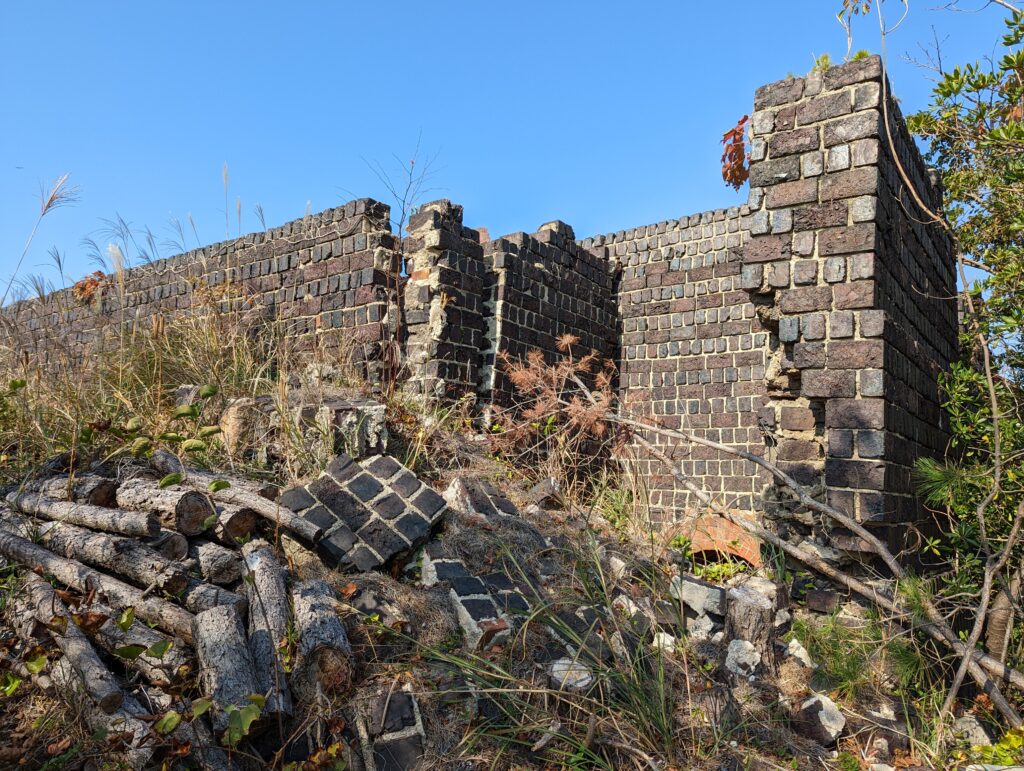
(444, 295)
(813, 262)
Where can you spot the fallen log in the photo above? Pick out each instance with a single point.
(194, 733)
(187, 511)
(225, 664)
(168, 463)
(217, 563)
(100, 684)
(135, 747)
(323, 657)
(80, 488)
(173, 546)
(114, 592)
(233, 524)
(125, 556)
(199, 596)
(134, 523)
(159, 668)
(268, 624)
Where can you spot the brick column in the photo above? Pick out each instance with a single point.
(444, 298)
(813, 260)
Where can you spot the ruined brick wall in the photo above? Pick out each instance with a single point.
(540, 287)
(693, 352)
(810, 326)
(852, 278)
(327, 271)
(444, 303)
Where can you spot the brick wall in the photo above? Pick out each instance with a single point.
(542, 286)
(327, 271)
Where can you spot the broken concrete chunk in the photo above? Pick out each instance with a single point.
(698, 595)
(820, 719)
(742, 658)
(570, 675)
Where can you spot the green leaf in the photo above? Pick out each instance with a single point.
(201, 706)
(193, 445)
(16, 385)
(133, 425)
(206, 431)
(250, 714)
(217, 485)
(126, 619)
(168, 722)
(207, 391)
(130, 652)
(36, 664)
(210, 521)
(171, 479)
(141, 446)
(185, 411)
(171, 437)
(9, 683)
(258, 699)
(159, 649)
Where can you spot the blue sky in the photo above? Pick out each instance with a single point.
(603, 114)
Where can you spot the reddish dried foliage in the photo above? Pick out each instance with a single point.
(735, 158)
(84, 291)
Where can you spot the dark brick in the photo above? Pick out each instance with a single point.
(392, 712)
(364, 487)
(855, 354)
(342, 468)
(413, 526)
(855, 413)
(382, 539)
(320, 516)
(390, 506)
(856, 474)
(824, 107)
(467, 585)
(383, 467)
(849, 184)
(789, 142)
(398, 754)
(805, 299)
(429, 502)
(823, 215)
(338, 543)
(767, 249)
(846, 240)
(405, 484)
(796, 419)
(856, 294)
(792, 193)
(840, 443)
(363, 559)
(480, 610)
(828, 383)
(296, 499)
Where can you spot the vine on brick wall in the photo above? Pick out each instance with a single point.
(735, 158)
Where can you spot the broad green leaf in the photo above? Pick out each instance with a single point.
(9, 683)
(206, 431)
(172, 437)
(141, 445)
(126, 619)
(258, 699)
(210, 521)
(193, 445)
(186, 411)
(168, 722)
(200, 707)
(130, 652)
(171, 479)
(207, 391)
(217, 485)
(133, 425)
(36, 664)
(159, 649)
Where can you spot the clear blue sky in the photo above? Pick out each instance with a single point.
(604, 114)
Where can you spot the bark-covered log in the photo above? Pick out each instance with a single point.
(200, 596)
(323, 659)
(100, 683)
(234, 523)
(112, 591)
(187, 511)
(225, 664)
(130, 739)
(135, 523)
(81, 488)
(166, 669)
(268, 624)
(173, 546)
(125, 556)
(217, 563)
(750, 616)
(168, 463)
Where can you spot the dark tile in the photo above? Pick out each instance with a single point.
(428, 502)
(342, 468)
(450, 570)
(296, 499)
(405, 484)
(383, 467)
(363, 559)
(382, 539)
(498, 582)
(391, 713)
(338, 543)
(467, 585)
(364, 487)
(413, 526)
(320, 516)
(480, 610)
(398, 754)
(390, 506)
